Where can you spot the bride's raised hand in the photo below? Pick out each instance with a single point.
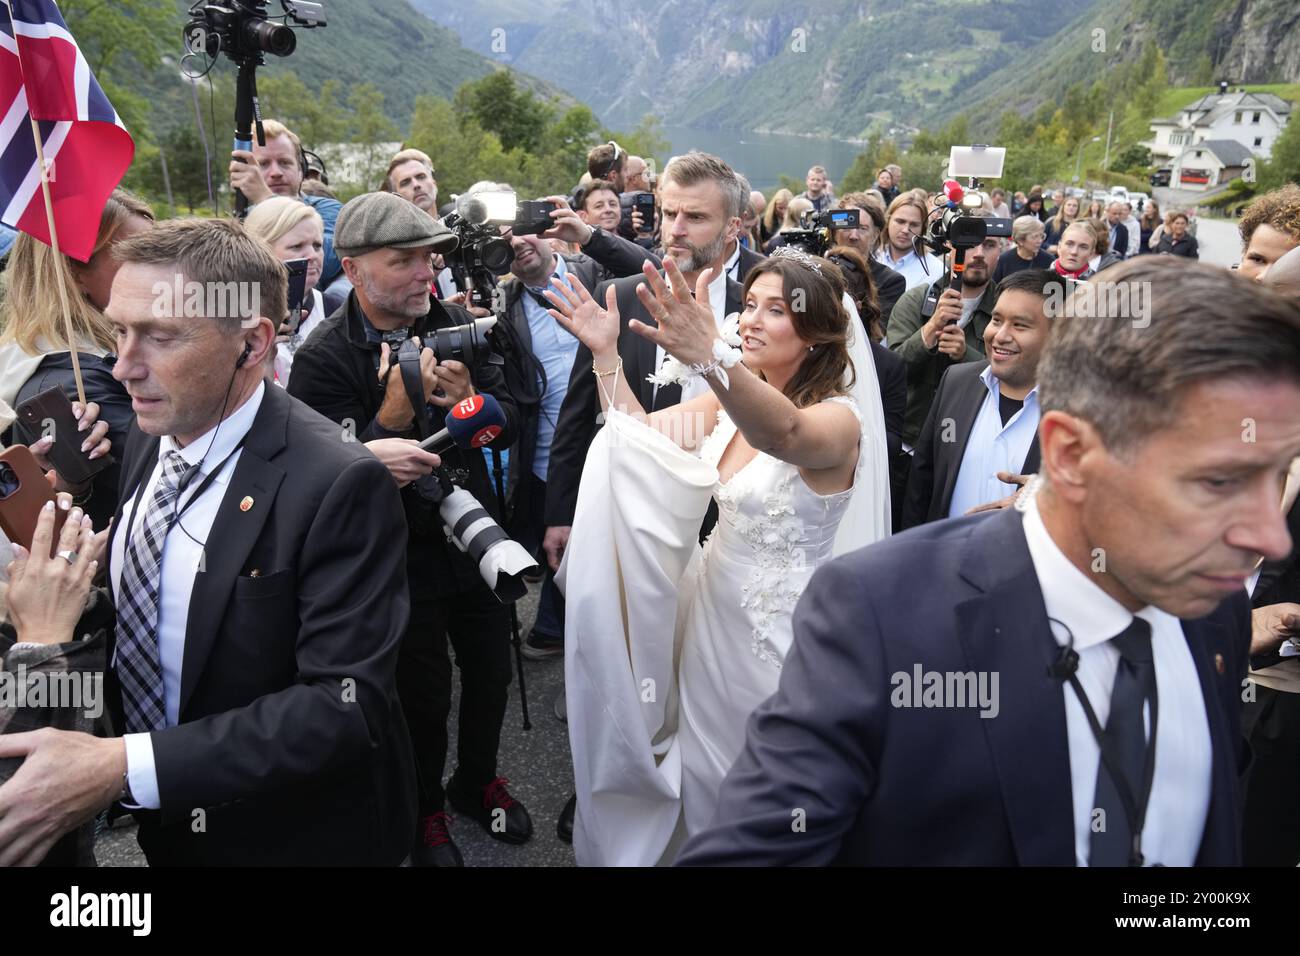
(686, 326)
(582, 316)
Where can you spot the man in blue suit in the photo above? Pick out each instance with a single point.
(993, 690)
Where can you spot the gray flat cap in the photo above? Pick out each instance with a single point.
(387, 221)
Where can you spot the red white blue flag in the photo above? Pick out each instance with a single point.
(87, 149)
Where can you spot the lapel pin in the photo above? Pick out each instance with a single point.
(1218, 663)
(246, 503)
(255, 573)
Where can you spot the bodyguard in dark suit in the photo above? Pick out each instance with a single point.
(257, 568)
(984, 419)
(935, 707)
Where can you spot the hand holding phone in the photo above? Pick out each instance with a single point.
(51, 415)
(24, 491)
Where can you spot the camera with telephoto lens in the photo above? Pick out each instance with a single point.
(470, 344)
(244, 32)
(815, 236)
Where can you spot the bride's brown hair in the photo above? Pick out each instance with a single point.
(822, 322)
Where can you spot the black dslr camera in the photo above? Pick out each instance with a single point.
(470, 344)
(815, 236)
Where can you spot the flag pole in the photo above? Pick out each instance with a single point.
(60, 265)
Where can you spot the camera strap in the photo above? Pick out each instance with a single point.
(408, 364)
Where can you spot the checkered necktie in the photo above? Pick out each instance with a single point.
(138, 665)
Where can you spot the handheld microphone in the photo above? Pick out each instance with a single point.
(953, 191)
(472, 424)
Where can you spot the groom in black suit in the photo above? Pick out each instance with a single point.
(702, 200)
(253, 659)
(939, 704)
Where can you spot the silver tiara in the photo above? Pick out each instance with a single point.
(799, 256)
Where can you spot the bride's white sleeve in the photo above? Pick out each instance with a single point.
(635, 533)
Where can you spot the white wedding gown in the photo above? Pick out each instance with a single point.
(670, 647)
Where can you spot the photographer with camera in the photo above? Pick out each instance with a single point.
(354, 370)
(931, 341)
(278, 169)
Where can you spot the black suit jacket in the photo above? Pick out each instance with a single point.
(577, 424)
(913, 786)
(889, 286)
(291, 739)
(521, 370)
(748, 259)
(892, 373)
(936, 462)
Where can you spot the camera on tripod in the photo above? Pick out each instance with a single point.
(815, 236)
(242, 30)
(483, 253)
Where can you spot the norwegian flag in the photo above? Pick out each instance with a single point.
(87, 149)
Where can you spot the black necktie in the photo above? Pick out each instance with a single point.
(1125, 740)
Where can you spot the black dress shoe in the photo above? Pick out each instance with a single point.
(564, 826)
(433, 844)
(501, 815)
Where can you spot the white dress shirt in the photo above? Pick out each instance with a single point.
(697, 385)
(181, 559)
(732, 268)
(993, 447)
(910, 266)
(1180, 788)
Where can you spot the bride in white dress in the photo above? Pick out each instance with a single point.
(670, 648)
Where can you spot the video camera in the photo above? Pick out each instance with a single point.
(242, 30)
(953, 227)
(814, 237)
(483, 253)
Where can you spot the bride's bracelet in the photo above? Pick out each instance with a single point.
(614, 371)
(724, 357)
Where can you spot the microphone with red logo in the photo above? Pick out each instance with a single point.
(953, 191)
(472, 424)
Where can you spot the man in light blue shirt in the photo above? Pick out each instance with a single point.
(982, 429)
(538, 375)
(904, 221)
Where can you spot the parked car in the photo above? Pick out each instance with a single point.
(1120, 193)
(1161, 176)
(1101, 195)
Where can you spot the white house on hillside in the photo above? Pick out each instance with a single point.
(1253, 120)
(1208, 164)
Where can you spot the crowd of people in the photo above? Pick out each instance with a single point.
(766, 487)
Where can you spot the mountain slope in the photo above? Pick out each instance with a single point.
(837, 67)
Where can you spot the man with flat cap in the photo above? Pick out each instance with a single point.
(348, 370)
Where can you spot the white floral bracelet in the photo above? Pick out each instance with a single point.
(726, 354)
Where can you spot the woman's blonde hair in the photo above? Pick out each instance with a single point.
(769, 214)
(270, 219)
(32, 307)
(794, 212)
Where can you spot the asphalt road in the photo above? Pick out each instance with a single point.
(535, 761)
